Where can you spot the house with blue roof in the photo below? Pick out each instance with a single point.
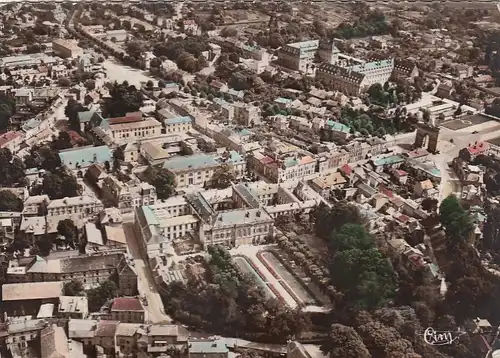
(198, 169)
(80, 159)
(337, 130)
(178, 124)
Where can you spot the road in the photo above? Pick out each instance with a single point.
(146, 285)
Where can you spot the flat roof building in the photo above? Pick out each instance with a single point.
(66, 49)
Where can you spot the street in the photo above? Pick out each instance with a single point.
(146, 285)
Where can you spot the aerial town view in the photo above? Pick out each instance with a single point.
(250, 179)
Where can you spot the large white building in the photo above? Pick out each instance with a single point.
(354, 79)
(126, 131)
(298, 55)
(198, 169)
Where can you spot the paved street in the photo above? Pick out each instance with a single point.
(146, 285)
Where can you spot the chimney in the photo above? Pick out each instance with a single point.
(258, 214)
(247, 214)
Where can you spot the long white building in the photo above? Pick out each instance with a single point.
(354, 79)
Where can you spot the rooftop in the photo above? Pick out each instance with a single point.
(106, 328)
(9, 136)
(127, 304)
(208, 347)
(240, 217)
(393, 159)
(31, 290)
(178, 120)
(85, 156)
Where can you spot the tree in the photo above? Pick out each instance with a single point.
(59, 185)
(71, 111)
(327, 219)
(222, 177)
(63, 141)
(344, 342)
(161, 179)
(455, 219)
(124, 99)
(90, 84)
(10, 202)
(98, 296)
(351, 236)
(72, 288)
(228, 32)
(7, 110)
(67, 229)
(149, 85)
(44, 245)
(367, 278)
(64, 82)
(126, 25)
(12, 168)
(118, 158)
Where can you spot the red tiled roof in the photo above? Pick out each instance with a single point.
(386, 191)
(7, 137)
(403, 218)
(267, 160)
(127, 304)
(477, 148)
(346, 169)
(401, 173)
(75, 136)
(419, 152)
(217, 84)
(106, 328)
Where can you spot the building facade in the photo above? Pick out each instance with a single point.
(297, 56)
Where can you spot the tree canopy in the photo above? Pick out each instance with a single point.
(124, 99)
(58, 185)
(98, 296)
(455, 219)
(222, 177)
(9, 201)
(161, 179)
(12, 168)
